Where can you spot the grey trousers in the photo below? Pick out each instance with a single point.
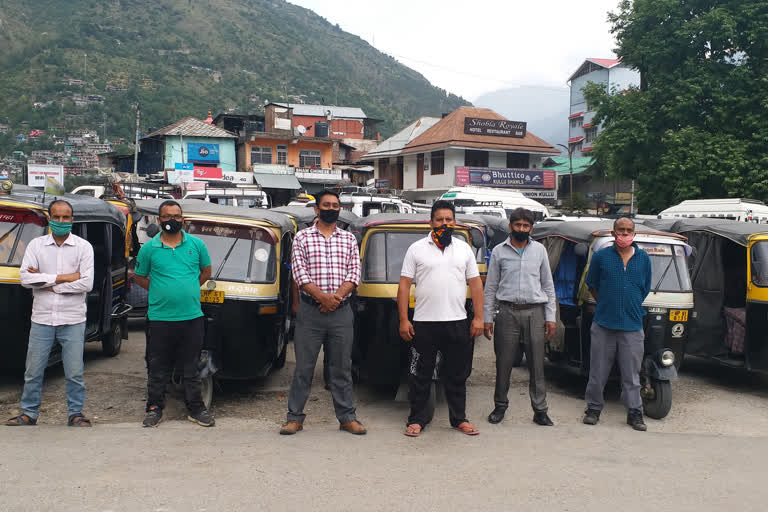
(512, 328)
(312, 329)
(605, 346)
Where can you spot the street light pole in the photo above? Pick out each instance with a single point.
(570, 168)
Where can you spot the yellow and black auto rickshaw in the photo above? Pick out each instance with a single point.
(246, 302)
(24, 216)
(379, 355)
(729, 272)
(570, 246)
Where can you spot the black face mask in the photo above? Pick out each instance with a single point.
(172, 226)
(443, 236)
(328, 216)
(520, 236)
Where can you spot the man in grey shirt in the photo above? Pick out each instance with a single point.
(520, 282)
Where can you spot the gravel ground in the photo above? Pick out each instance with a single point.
(708, 398)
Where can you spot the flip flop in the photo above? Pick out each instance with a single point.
(413, 434)
(22, 420)
(78, 420)
(467, 428)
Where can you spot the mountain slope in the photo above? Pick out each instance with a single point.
(183, 57)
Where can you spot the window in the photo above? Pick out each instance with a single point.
(590, 134)
(261, 155)
(282, 155)
(86, 192)
(475, 158)
(385, 252)
(309, 158)
(17, 229)
(437, 162)
(518, 160)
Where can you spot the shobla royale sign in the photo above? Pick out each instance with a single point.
(494, 127)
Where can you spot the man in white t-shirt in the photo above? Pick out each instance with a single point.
(441, 266)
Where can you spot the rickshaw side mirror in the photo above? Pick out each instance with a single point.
(152, 230)
(581, 250)
(477, 238)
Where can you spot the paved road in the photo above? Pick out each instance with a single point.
(711, 453)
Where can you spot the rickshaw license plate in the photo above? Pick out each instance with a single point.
(215, 296)
(678, 315)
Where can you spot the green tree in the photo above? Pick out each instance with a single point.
(697, 127)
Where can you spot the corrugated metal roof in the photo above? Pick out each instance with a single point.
(395, 144)
(302, 109)
(192, 127)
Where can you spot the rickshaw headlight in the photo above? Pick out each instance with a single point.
(211, 284)
(667, 358)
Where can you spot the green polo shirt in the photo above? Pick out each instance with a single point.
(174, 277)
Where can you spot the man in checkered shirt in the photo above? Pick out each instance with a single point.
(326, 268)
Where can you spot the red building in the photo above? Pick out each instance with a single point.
(331, 121)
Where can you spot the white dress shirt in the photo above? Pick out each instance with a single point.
(63, 303)
(440, 278)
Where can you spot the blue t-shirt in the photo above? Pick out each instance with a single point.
(621, 291)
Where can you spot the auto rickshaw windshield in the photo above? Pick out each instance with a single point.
(240, 254)
(759, 255)
(17, 229)
(385, 252)
(670, 269)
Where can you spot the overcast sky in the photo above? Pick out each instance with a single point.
(473, 47)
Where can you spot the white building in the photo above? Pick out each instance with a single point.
(616, 76)
(470, 145)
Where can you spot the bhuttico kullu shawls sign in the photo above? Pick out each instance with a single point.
(494, 127)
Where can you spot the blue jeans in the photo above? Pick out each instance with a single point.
(41, 340)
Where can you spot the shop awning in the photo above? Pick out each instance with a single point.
(574, 140)
(268, 180)
(575, 115)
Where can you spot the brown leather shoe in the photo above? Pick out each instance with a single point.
(354, 427)
(291, 427)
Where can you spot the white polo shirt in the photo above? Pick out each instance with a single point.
(440, 278)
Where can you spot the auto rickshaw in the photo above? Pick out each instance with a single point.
(729, 272)
(379, 355)
(246, 302)
(570, 246)
(24, 216)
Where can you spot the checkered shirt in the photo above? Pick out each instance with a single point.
(325, 262)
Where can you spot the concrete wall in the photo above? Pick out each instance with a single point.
(326, 151)
(173, 153)
(622, 78)
(409, 172)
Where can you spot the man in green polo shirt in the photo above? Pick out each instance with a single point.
(172, 266)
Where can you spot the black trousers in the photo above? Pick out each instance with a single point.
(456, 347)
(170, 344)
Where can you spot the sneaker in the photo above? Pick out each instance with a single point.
(154, 417)
(591, 416)
(635, 420)
(202, 418)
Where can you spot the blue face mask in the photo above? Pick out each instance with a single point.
(60, 228)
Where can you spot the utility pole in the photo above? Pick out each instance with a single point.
(570, 167)
(85, 71)
(104, 118)
(136, 147)
(181, 142)
(632, 200)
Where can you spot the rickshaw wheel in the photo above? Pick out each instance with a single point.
(659, 407)
(206, 388)
(111, 342)
(283, 330)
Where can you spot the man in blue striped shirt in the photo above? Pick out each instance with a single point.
(619, 279)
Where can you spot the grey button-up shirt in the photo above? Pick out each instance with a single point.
(522, 279)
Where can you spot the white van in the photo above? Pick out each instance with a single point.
(508, 198)
(131, 190)
(244, 197)
(363, 205)
(744, 210)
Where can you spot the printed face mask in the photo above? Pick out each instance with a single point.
(172, 226)
(60, 228)
(442, 236)
(624, 241)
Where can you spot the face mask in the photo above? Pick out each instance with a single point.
(624, 241)
(520, 236)
(442, 236)
(60, 228)
(172, 226)
(328, 216)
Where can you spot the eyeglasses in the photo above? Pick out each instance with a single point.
(169, 217)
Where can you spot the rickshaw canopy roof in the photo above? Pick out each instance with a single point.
(586, 231)
(362, 224)
(85, 209)
(198, 207)
(738, 232)
(305, 214)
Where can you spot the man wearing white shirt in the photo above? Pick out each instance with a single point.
(441, 266)
(58, 267)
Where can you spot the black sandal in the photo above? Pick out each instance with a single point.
(22, 420)
(78, 420)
